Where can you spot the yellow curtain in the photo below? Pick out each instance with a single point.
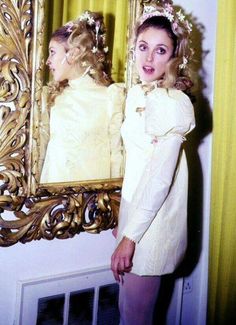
(115, 13)
(222, 272)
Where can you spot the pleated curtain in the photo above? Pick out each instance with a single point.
(222, 268)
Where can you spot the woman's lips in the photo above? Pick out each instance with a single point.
(148, 69)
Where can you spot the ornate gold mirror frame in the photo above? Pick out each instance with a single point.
(37, 211)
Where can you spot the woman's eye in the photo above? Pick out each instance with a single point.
(142, 47)
(161, 50)
(51, 52)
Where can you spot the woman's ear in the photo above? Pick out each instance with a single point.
(72, 55)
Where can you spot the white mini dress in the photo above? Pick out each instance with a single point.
(153, 210)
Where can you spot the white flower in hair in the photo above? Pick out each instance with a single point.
(94, 50)
(92, 71)
(106, 49)
(180, 15)
(169, 16)
(84, 64)
(148, 9)
(84, 16)
(189, 26)
(184, 64)
(103, 38)
(91, 21)
(169, 7)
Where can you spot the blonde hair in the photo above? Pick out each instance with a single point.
(175, 76)
(87, 33)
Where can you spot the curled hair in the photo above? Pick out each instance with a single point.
(89, 38)
(174, 77)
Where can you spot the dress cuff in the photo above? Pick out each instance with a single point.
(139, 221)
(131, 239)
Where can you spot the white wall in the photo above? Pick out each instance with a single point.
(194, 304)
(48, 258)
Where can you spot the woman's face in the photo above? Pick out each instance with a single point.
(153, 50)
(57, 61)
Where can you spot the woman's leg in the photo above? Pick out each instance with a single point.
(137, 299)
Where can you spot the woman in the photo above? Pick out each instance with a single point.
(152, 231)
(85, 111)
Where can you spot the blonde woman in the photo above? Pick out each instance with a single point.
(152, 230)
(85, 108)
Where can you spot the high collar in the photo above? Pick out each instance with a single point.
(82, 80)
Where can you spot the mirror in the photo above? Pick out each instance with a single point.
(30, 209)
(79, 133)
(78, 142)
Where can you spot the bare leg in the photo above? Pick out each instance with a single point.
(137, 299)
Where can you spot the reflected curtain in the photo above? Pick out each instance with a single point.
(222, 269)
(115, 13)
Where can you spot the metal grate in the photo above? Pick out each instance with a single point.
(81, 307)
(86, 307)
(108, 312)
(50, 310)
(88, 297)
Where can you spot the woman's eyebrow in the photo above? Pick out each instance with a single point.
(161, 44)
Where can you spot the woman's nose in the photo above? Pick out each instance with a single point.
(150, 56)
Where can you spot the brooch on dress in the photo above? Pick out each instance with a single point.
(140, 110)
(147, 88)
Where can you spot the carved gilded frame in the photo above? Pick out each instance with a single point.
(37, 211)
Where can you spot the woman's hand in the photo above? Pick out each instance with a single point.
(121, 260)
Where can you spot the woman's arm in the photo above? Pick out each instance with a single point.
(169, 117)
(153, 187)
(150, 195)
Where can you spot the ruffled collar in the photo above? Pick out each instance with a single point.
(148, 86)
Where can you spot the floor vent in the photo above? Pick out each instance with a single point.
(88, 298)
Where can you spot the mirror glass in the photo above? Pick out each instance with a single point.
(79, 133)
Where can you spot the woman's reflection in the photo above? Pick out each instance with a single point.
(82, 107)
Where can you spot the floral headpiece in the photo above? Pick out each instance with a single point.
(88, 18)
(176, 18)
(99, 49)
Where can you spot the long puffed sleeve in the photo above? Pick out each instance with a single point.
(116, 101)
(168, 112)
(169, 117)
